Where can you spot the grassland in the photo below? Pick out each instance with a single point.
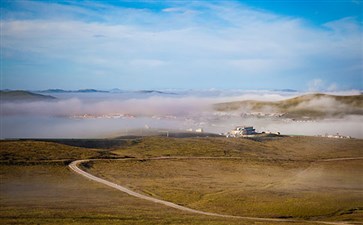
(33, 152)
(311, 105)
(279, 148)
(272, 178)
(245, 188)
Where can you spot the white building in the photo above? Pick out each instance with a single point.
(199, 130)
(242, 131)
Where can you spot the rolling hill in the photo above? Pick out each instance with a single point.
(311, 105)
(23, 96)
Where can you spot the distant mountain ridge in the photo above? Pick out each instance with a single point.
(74, 91)
(155, 92)
(23, 96)
(310, 105)
(286, 90)
(115, 90)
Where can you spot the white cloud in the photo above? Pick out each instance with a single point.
(215, 40)
(179, 10)
(333, 87)
(316, 85)
(172, 10)
(319, 85)
(147, 62)
(344, 25)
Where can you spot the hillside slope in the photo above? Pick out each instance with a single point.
(23, 96)
(311, 105)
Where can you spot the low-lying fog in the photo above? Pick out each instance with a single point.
(82, 115)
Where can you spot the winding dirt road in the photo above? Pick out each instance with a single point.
(340, 159)
(74, 167)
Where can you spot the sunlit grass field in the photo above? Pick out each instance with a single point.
(245, 188)
(279, 178)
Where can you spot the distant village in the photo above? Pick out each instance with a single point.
(237, 132)
(337, 135)
(107, 116)
(246, 131)
(249, 131)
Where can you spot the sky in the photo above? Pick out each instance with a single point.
(296, 44)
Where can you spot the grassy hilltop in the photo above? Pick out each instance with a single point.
(279, 178)
(311, 105)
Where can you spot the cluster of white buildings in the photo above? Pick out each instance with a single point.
(247, 131)
(107, 116)
(242, 131)
(198, 130)
(168, 117)
(335, 136)
(261, 114)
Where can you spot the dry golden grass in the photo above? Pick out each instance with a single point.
(280, 148)
(316, 148)
(160, 146)
(51, 194)
(27, 151)
(274, 178)
(245, 188)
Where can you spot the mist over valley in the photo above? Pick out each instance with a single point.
(96, 114)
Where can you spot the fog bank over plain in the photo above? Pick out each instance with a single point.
(112, 114)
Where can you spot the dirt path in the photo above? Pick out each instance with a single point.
(74, 166)
(340, 159)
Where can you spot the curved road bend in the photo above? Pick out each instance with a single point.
(74, 166)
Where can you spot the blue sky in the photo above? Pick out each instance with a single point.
(304, 45)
